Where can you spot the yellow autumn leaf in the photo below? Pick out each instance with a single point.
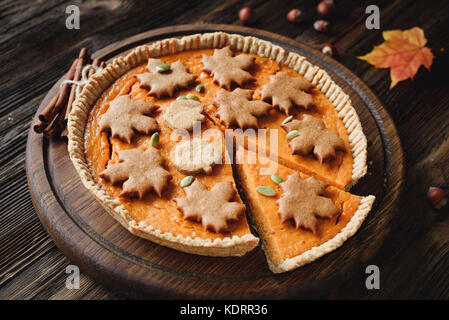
(403, 52)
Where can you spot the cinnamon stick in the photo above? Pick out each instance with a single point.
(52, 109)
(95, 63)
(77, 77)
(44, 115)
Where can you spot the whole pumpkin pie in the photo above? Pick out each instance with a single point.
(155, 135)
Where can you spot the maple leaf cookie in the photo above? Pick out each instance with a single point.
(286, 91)
(227, 69)
(139, 171)
(125, 116)
(313, 136)
(182, 114)
(195, 156)
(302, 201)
(164, 81)
(213, 208)
(238, 108)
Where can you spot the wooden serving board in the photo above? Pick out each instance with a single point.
(104, 250)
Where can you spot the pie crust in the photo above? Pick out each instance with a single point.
(232, 245)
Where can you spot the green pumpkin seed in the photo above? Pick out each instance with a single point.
(288, 119)
(292, 134)
(276, 179)
(181, 98)
(155, 139)
(266, 191)
(192, 97)
(187, 181)
(199, 88)
(162, 68)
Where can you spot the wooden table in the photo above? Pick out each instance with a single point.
(36, 48)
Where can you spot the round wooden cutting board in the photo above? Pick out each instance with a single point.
(104, 250)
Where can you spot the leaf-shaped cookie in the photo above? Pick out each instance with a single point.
(164, 83)
(227, 69)
(213, 208)
(182, 114)
(286, 91)
(238, 108)
(139, 171)
(314, 137)
(302, 201)
(126, 115)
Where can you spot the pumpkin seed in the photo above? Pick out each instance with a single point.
(181, 98)
(155, 139)
(292, 134)
(162, 68)
(266, 191)
(199, 88)
(276, 179)
(192, 97)
(187, 181)
(288, 119)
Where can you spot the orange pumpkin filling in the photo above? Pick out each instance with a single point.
(162, 213)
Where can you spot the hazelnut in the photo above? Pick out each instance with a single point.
(321, 25)
(329, 50)
(325, 8)
(247, 15)
(437, 197)
(295, 16)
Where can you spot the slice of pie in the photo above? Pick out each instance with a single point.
(292, 241)
(150, 137)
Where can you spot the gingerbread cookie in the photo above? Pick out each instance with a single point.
(310, 135)
(195, 156)
(302, 201)
(238, 108)
(227, 69)
(126, 115)
(213, 208)
(163, 80)
(284, 91)
(182, 114)
(139, 171)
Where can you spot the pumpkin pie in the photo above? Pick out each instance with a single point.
(155, 134)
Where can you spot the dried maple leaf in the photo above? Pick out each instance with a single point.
(126, 115)
(237, 108)
(213, 208)
(403, 52)
(227, 69)
(141, 171)
(285, 90)
(164, 83)
(302, 201)
(314, 137)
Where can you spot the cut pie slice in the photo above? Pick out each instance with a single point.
(286, 245)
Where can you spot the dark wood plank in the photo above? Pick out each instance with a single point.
(38, 50)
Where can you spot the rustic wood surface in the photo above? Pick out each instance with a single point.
(37, 47)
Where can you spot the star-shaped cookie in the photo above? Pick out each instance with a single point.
(125, 116)
(286, 91)
(213, 208)
(167, 82)
(227, 69)
(314, 137)
(238, 108)
(139, 171)
(302, 201)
